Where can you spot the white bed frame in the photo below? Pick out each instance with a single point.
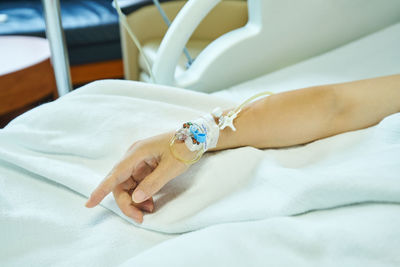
(278, 33)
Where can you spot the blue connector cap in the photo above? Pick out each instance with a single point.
(200, 137)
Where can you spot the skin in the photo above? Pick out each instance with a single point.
(285, 119)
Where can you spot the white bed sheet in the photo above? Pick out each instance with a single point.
(375, 55)
(43, 220)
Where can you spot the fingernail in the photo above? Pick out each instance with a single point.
(139, 196)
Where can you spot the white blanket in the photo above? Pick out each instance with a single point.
(334, 200)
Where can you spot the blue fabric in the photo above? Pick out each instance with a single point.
(87, 23)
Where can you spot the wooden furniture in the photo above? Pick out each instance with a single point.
(85, 73)
(91, 33)
(26, 75)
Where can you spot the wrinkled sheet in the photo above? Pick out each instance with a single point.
(333, 200)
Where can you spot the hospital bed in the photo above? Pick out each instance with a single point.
(331, 202)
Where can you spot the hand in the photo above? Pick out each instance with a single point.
(146, 167)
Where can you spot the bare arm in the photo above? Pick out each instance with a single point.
(285, 119)
(305, 115)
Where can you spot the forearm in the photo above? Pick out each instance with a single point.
(305, 115)
(281, 120)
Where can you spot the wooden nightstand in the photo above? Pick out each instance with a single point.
(26, 75)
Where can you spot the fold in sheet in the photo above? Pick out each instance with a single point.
(76, 140)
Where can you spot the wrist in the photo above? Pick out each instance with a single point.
(233, 139)
(226, 140)
(227, 137)
(181, 150)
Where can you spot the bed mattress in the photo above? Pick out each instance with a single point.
(330, 200)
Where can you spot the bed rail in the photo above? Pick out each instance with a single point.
(278, 34)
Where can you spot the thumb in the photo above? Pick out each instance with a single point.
(155, 181)
(121, 172)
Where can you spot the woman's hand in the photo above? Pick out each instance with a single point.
(146, 167)
(285, 119)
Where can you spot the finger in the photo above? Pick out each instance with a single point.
(141, 171)
(129, 186)
(155, 181)
(120, 173)
(147, 205)
(124, 202)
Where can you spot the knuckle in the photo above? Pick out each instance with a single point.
(135, 145)
(152, 163)
(131, 147)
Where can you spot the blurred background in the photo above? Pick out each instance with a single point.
(26, 75)
(95, 44)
